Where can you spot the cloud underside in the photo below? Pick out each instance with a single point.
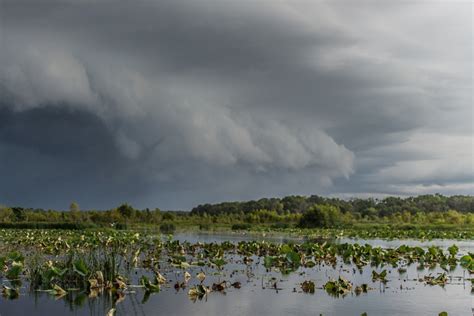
(175, 103)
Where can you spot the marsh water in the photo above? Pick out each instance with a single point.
(268, 292)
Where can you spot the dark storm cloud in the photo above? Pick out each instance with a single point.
(59, 154)
(173, 103)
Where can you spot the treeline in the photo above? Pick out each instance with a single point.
(329, 216)
(358, 207)
(290, 211)
(119, 216)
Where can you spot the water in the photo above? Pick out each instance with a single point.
(463, 245)
(402, 295)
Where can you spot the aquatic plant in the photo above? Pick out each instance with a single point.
(94, 263)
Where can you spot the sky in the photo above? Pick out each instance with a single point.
(174, 103)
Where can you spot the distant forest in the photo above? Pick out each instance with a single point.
(291, 211)
(362, 207)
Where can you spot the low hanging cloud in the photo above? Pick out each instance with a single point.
(172, 103)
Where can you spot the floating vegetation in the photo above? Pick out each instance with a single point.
(57, 291)
(308, 287)
(74, 265)
(376, 231)
(339, 287)
(402, 270)
(467, 262)
(198, 292)
(149, 286)
(160, 278)
(382, 276)
(10, 293)
(363, 288)
(219, 287)
(201, 276)
(441, 279)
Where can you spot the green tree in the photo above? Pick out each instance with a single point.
(74, 207)
(6, 214)
(19, 214)
(127, 211)
(321, 216)
(74, 212)
(168, 216)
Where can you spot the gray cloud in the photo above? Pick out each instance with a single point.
(172, 103)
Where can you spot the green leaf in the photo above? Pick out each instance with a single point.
(453, 250)
(58, 272)
(285, 249)
(310, 264)
(268, 261)
(466, 260)
(219, 262)
(149, 287)
(14, 272)
(80, 267)
(294, 258)
(16, 256)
